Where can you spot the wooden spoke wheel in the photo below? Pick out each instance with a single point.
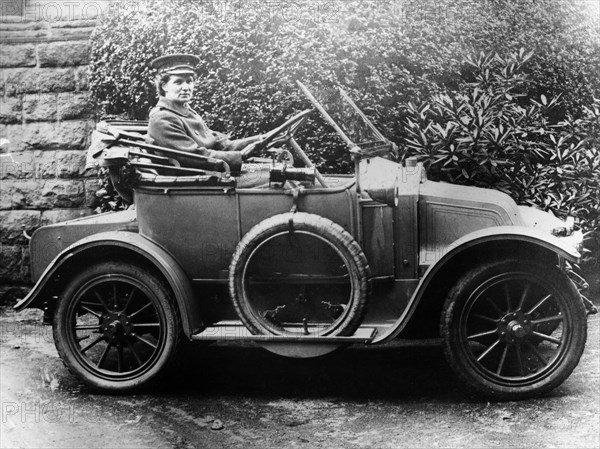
(116, 326)
(514, 329)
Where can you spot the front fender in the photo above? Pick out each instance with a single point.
(128, 242)
(566, 247)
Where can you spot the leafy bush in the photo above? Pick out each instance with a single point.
(107, 198)
(383, 53)
(487, 134)
(497, 129)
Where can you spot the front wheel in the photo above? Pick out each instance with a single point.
(116, 326)
(513, 329)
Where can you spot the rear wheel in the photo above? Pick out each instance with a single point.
(299, 274)
(116, 326)
(513, 329)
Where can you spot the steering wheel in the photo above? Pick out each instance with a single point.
(279, 135)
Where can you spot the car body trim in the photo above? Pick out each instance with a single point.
(558, 245)
(155, 254)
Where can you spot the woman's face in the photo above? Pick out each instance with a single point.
(179, 88)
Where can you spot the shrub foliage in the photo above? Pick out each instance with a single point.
(525, 122)
(489, 134)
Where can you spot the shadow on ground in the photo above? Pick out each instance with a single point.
(353, 374)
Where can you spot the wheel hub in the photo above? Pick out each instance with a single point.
(516, 329)
(115, 326)
(514, 326)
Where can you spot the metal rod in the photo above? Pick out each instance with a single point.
(300, 152)
(173, 168)
(153, 157)
(362, 115)
(148, 146)
(327, 117)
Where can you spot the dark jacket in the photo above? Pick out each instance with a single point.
(176, 126)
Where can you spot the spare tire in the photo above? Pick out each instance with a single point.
(299, 274)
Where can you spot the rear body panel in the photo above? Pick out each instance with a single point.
(42, 294)
(210, 222)
(48, 242)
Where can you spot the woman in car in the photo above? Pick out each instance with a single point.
(173, 124)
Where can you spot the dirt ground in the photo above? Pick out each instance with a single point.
(245, 397)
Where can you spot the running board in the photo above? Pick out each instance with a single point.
(236, 331)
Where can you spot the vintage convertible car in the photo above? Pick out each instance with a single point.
(302, 264)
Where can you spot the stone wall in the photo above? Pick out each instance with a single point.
(45, 124)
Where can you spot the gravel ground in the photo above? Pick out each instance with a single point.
(248, 398)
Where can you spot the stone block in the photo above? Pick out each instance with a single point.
(43, 164)
(59, 193)
(62, 164)
(16, 165)
(22, 26)
(60, 12)
(23, 81)
(11, 110)
(17, 55)
(91, 187)
(82, 77)
(68, 135)
(14, 193)
(23, 36)
(39, 107)
(52, 11)
(60, 215)
(10, 10)
(14, 263)
(74, 105)
(14, 222)
(75, 24)
(61, 54)
(5, 199)
(25, 264)
(72, 34)
(10, 16)
(42, 194)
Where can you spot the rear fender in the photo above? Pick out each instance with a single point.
(123, 244)
(566, 247)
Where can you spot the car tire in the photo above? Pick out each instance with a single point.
(497, 337)
(299, 231)
(116, 326)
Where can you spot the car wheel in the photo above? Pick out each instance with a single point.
(299, 274)
(513, 329)
(116, 326)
